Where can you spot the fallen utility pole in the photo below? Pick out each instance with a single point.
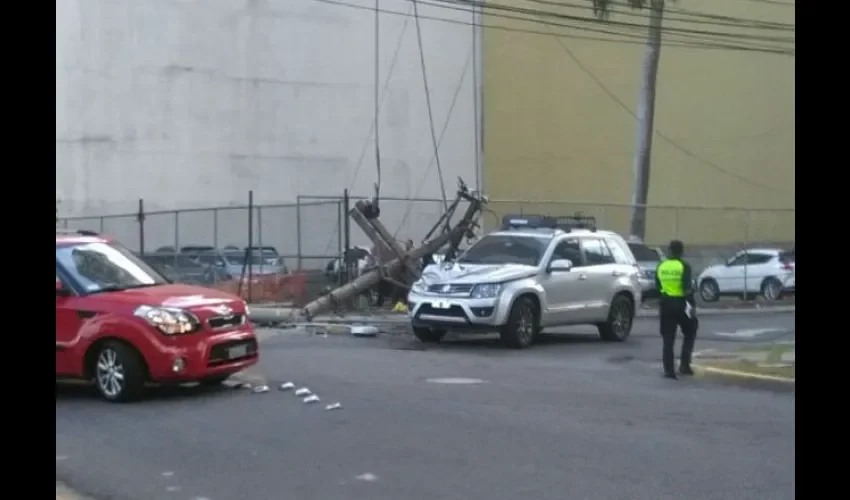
(401, 269)
(378, 233)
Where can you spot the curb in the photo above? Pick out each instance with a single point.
(710, 370)
(282, 315)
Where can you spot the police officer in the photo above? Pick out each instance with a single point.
(673, 279)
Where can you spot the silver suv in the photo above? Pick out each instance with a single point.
(519, 280)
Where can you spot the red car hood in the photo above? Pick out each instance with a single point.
(204, 302)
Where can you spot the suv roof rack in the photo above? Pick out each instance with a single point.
(576, 221)
(527, 221)
(81, 232)
(535, 221)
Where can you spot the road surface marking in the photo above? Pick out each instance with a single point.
(172, 488)
(748, 333)
(456, 381)
(742, 374)
(368, 477)
(167, 473)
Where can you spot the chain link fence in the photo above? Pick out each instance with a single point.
(315, 230)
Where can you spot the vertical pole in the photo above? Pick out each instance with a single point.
(141, 218)
(250, 253)
(346, 234)
(260, 229)
(101, 225)
(339, 216)
(176, 231)
(298, 230)
(215, 227)
(478, 110)
(746, 248)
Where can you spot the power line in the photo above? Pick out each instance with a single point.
(377, 110)
(624, 38)
(672, 13)
(612, 23)
(632, 33)
(428, 103)
(776, 3)
(372, 128)
(449, 114)
(658, 133)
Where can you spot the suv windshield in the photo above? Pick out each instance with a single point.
(101, 267)
(643, 253)
(506, 249)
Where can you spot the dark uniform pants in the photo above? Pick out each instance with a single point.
(672, 315)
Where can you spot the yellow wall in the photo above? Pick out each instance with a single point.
(552, 133)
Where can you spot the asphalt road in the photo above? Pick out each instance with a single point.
(571, 418)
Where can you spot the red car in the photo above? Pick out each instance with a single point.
(122, 324)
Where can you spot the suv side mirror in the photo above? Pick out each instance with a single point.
(560, 265)
(61, 291)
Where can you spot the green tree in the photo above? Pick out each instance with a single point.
(645, 107)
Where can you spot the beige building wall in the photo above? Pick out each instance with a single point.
(552, 132)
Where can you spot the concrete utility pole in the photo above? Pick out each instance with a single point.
(402, 269)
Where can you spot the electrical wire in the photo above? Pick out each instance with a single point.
(428, 103)
(444, 4)
(495, 6)
(599, 83)
(671, 13)
(369, 135)
(623, 38)
(449, 115)
(377, 96)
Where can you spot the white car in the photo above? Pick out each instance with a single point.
(769, 272)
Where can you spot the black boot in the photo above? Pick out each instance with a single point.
(670, 375)
(685, 370)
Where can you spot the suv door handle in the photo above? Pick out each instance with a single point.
(617, 273)
(582, 277)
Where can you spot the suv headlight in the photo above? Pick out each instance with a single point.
(417, 287)
(486, 291)
(169, 320)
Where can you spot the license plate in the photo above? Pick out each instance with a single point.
(441, 304)
(239, 351)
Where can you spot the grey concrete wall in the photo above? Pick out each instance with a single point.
(192, 103)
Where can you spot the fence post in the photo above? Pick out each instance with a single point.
(141, 218)
(250, 252)
(176, 231)
(101, 224)
(298, 230)
(260, 229)
(215, 227)
(346, 234)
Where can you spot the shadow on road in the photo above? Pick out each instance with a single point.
(82, 391)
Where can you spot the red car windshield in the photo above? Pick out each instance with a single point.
(101, 267)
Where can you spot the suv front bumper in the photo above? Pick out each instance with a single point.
(456, 313)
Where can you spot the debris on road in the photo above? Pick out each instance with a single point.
(303, 392)
(333, 406)
(312, 398)
(286, 386)
(260, 389)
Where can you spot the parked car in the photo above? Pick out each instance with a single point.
(528, 276)
(121, 323)
(648, 259)
(770, 272)
(185, 268)
(234, 263)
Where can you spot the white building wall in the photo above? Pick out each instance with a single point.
(192, 103)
